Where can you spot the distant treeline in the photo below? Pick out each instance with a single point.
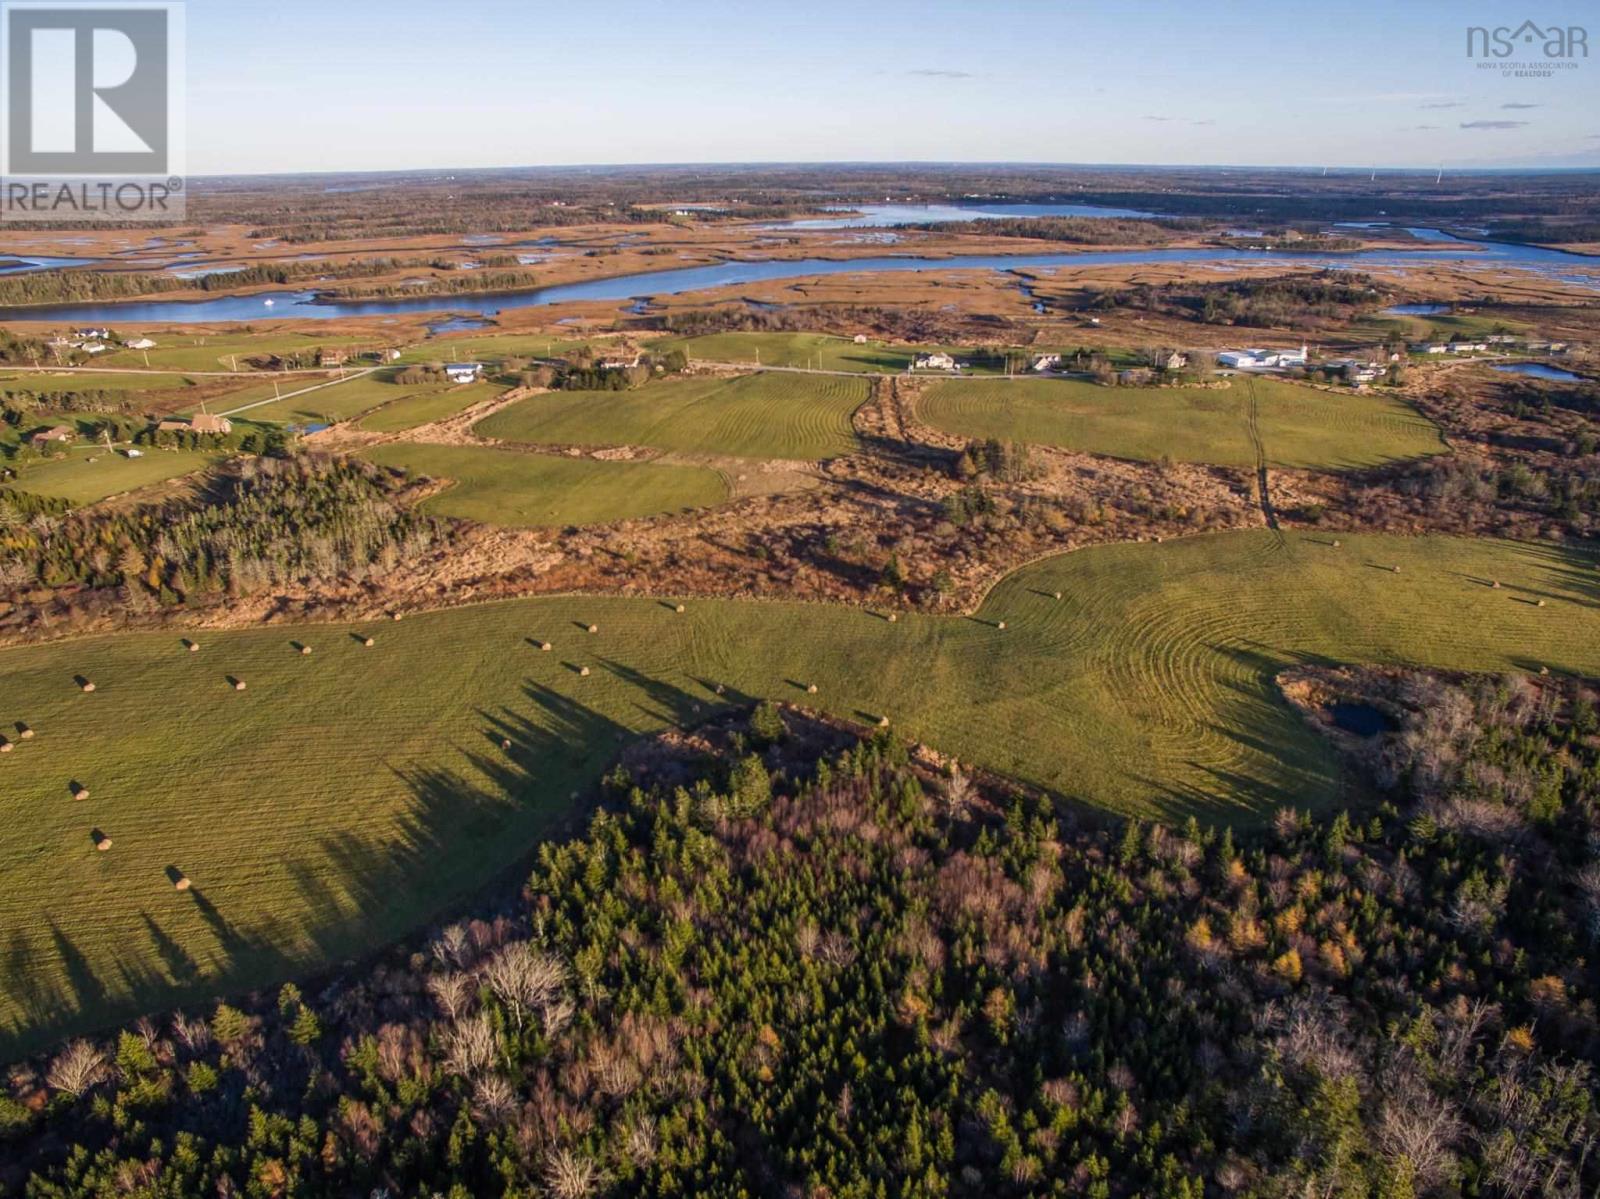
(1259, 302)
(1086, 231)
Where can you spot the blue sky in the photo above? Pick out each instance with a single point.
(321, 85)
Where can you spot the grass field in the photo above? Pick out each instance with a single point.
(755, 416)
(524, 490)
(96, 380)
(424, 407)
(216, 351)
(1298, 426)
(86, 476)
(815, 350)
(345, 796)
(491, 347)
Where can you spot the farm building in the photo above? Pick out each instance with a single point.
(1175, 361)
(464, 372)
(140, 343)
(1046, 362)
(205, 422)
(330, 358)
(1256, 359)
(59, 435)
(936, 362)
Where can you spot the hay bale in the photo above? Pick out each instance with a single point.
(5, 746)
(883, 722)
(238, 684)
(181, 883)
(103, 843)
(1058, 595)
(594, 628)
(894, 618)
(192, 646)
(546, 646)
(1544, 670)
(583, 672)
(398, 617)
(80, 792)
(681, 609)
(368, 642)
(24, 732)
(1395, 569)
(505, 744)
(86, 686)
(1541, 603)
(1337, 543)
(811, 689)
(1001, 626)
(1495, 585)
(305, 651)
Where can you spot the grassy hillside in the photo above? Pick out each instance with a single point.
(525, 490)
(345, 795)
(1298, 426)
(756, 416)
(424, 407)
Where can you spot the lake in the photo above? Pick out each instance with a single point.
(889, 216)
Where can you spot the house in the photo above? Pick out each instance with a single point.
(94, 347)
(619, 364)
(861, 339)
(60, 435)
(1046, 362)
(140, 343)
(133, 453)
(1175, 362)
(172, 426)
(92, 334)
(205, 422)
(465, 372)
(330, 358)
(935, 362)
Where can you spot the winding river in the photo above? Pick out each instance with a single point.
(306, 305)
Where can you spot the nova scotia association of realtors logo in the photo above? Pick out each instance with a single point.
(1528, 50)
(93, 114)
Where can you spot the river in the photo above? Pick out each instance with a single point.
(304, 305)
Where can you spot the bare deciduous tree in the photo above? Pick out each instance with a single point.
(569, 1176)
(78, 1069)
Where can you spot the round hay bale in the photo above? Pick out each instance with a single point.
(87, 686)
(883, 722)
(1337, 543)
(194, 647)
(1495, 584)
(1058, 595)
(1541, 603)
(80, 793)
(5, 746)
(811, 689)
(1001, 626)
(368, 642)
(238, 684)
(25, 732)
(1396, 569)
(181, 883)
(546, 646)
(398, 617)
(721, 689)
(681, 609)
(506, 745)
(305, 651)
(594, 628)
(103, 844)
(583, 672)
(894, 618)
(1544, 670)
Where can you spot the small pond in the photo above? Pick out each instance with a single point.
(1363, 720)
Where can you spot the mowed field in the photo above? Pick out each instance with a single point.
(425, 407)
(768, 415)
(518, 489)
(347, 795)
(86, 476)
(1298, 427)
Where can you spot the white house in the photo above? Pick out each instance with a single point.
(133, 453)
(935, 362)
(1257, 359)
(1046, 362)
(140, 343)
(463, 372)
(1241, 359)
(94, 347)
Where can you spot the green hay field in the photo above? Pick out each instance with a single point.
(346, 796)
(216, 351)
(755, 416)
(1298, 427)
(79, 481)
(95, 380)
(425, 407)
(516, 489)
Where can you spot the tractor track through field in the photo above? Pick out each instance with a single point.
(1263, 483)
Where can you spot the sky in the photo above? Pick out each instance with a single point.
(355, 85)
